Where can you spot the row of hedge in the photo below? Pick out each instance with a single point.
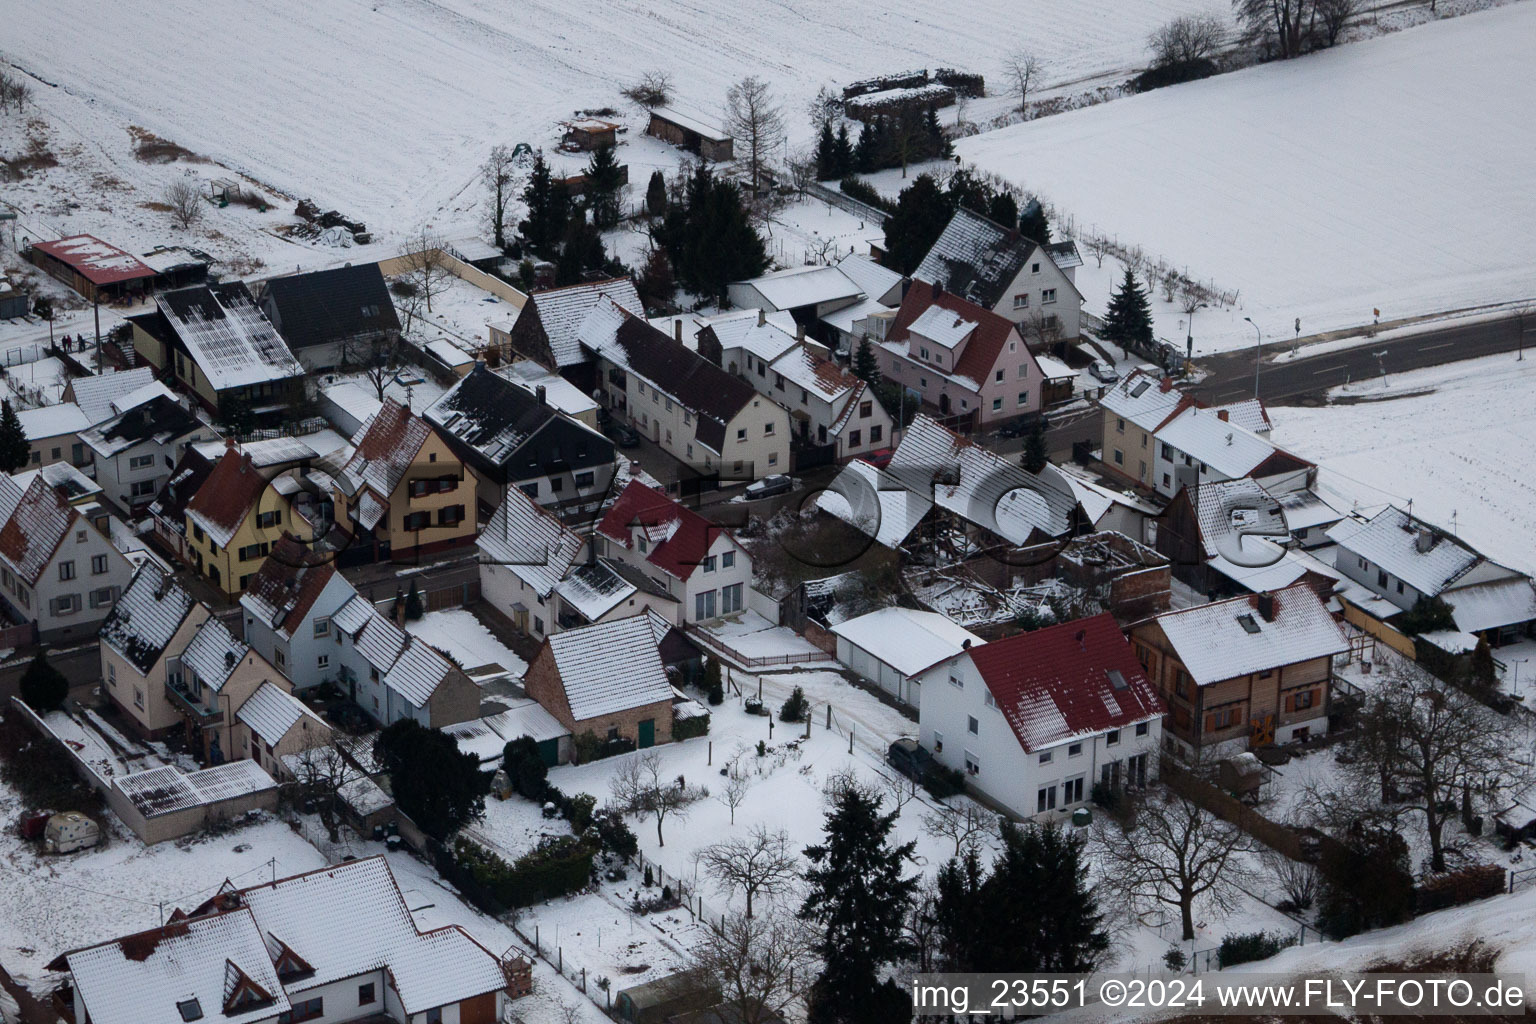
(556, 867)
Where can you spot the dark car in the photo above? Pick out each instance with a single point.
(907, 757)
(768, 486)
(625, 437)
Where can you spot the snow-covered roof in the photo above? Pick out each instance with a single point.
(844, 317)
(804, 286)
(228, 336)
(73, 484)
(354, 400)
(978, 485)
(166, 789)
(562, 311)
(353, 615)
(907, 640)
(875, 502)
(818, 375)
(213, 653)
(763, 334)
(1053, 368)
(1491, 605)
(1141, 398)
(610, 667)
(689, 123)
(370, 509)
(53, 421)
(97, 261)
(535, 546)
(159, 419)
(351, 919)
(1233, 638)
(386, 446)
(1248, 414)
(1215, 442)
(145, 617)
(265, 453)
(95, 395)
(149, 977)
(418, 672)
(595, 589)
(1233, 513)
(37, 523)
(271, 711)
(1281, 568)
(1304, 509)
(527, 718)
(872, 279)
(942, 326)
(1390, 541)
(558, 392)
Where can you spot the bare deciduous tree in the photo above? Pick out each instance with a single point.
(1333, 16)
(1098, 247)
(1288, 28)
(1426, 743)
(964, 825)
(380, 361)
(902, 789)
(321, 773)
(1297, 879)
(762, 864)
(824, 108)
(1169, 852)
(498, 173)
(14, 92)
(426, 264)
(185, 201)
(654, 89)
(734, 791)
(1023, 69)
(1187, 38)
(762, 965)
(640, 790)
(756, 122)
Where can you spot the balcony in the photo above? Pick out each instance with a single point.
(191, 706)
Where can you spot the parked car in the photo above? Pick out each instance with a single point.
(625, 437)
(1102, 372)
(907, 757)
(768, 486)
(880, 458)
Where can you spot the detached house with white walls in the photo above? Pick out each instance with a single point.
(1036, 720)
(691, 407)
(524, 552)
(336, 944)
(137, 447)
(57, 570)
(695, 561)
(1031, 285)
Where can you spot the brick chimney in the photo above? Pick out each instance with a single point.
(1223, 415)
(762, 316)
(677, 330)
(938, 290)
(1165, 385)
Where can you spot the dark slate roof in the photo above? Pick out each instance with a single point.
(329, 305)
(690, 378)
(975, 257)
(159, 417)
(146, 617)
(201, 299)
(185, 480)
(496, 418)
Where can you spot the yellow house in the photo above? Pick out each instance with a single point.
(404, 488)
(234, 520)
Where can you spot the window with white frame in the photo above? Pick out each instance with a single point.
(972, 726)
(1047, 295)
(972, 763)
(1021, 300)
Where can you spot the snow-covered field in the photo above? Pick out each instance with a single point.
(1391, 174)
(384, 108)
(1459, 441)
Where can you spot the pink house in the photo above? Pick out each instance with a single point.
(962, 360)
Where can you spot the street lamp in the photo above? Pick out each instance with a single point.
(1258, 351)
(1189, 337)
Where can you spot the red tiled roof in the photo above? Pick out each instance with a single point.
(1054, 683)
(680, 536)
(386, 447)
(290, 580)
(32, 534)
(226, 497)
(97, 261)
(986, 342)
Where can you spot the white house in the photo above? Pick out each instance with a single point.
(288, 606)
(695, 561)
(57, 569)
(1035, 721)
(690, 406)
(138, 446)
(524, 552)
(333, 945)
(53, 435)
(837, 297)
(992, 265)
(893, 647)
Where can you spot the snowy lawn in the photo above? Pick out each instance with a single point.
(457, 633)
(459, 314)
(1459, 441)
(1395, 228)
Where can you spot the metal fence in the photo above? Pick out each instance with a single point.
(717, 646)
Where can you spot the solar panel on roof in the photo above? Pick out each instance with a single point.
(1140, 389)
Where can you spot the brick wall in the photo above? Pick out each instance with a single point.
(542, 683)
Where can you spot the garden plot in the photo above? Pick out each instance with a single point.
(1330, 204)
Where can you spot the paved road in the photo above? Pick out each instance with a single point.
(1303, 380)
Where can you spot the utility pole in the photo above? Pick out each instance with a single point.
(1258, 352)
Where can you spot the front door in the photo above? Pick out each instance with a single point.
(944, 404)
(647, 733)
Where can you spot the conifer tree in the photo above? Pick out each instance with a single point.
(1003, 210)
(605, 179)
(865, 366)
(826, 153)
(843, 153)
(1040, 915)
(43, 687)
(656, 195)
(548, 206)
(921, 213)
(1036, 454)
(1032, 223)
(1128, 321)
(15, 451)
(859, 897)
(864, 152)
